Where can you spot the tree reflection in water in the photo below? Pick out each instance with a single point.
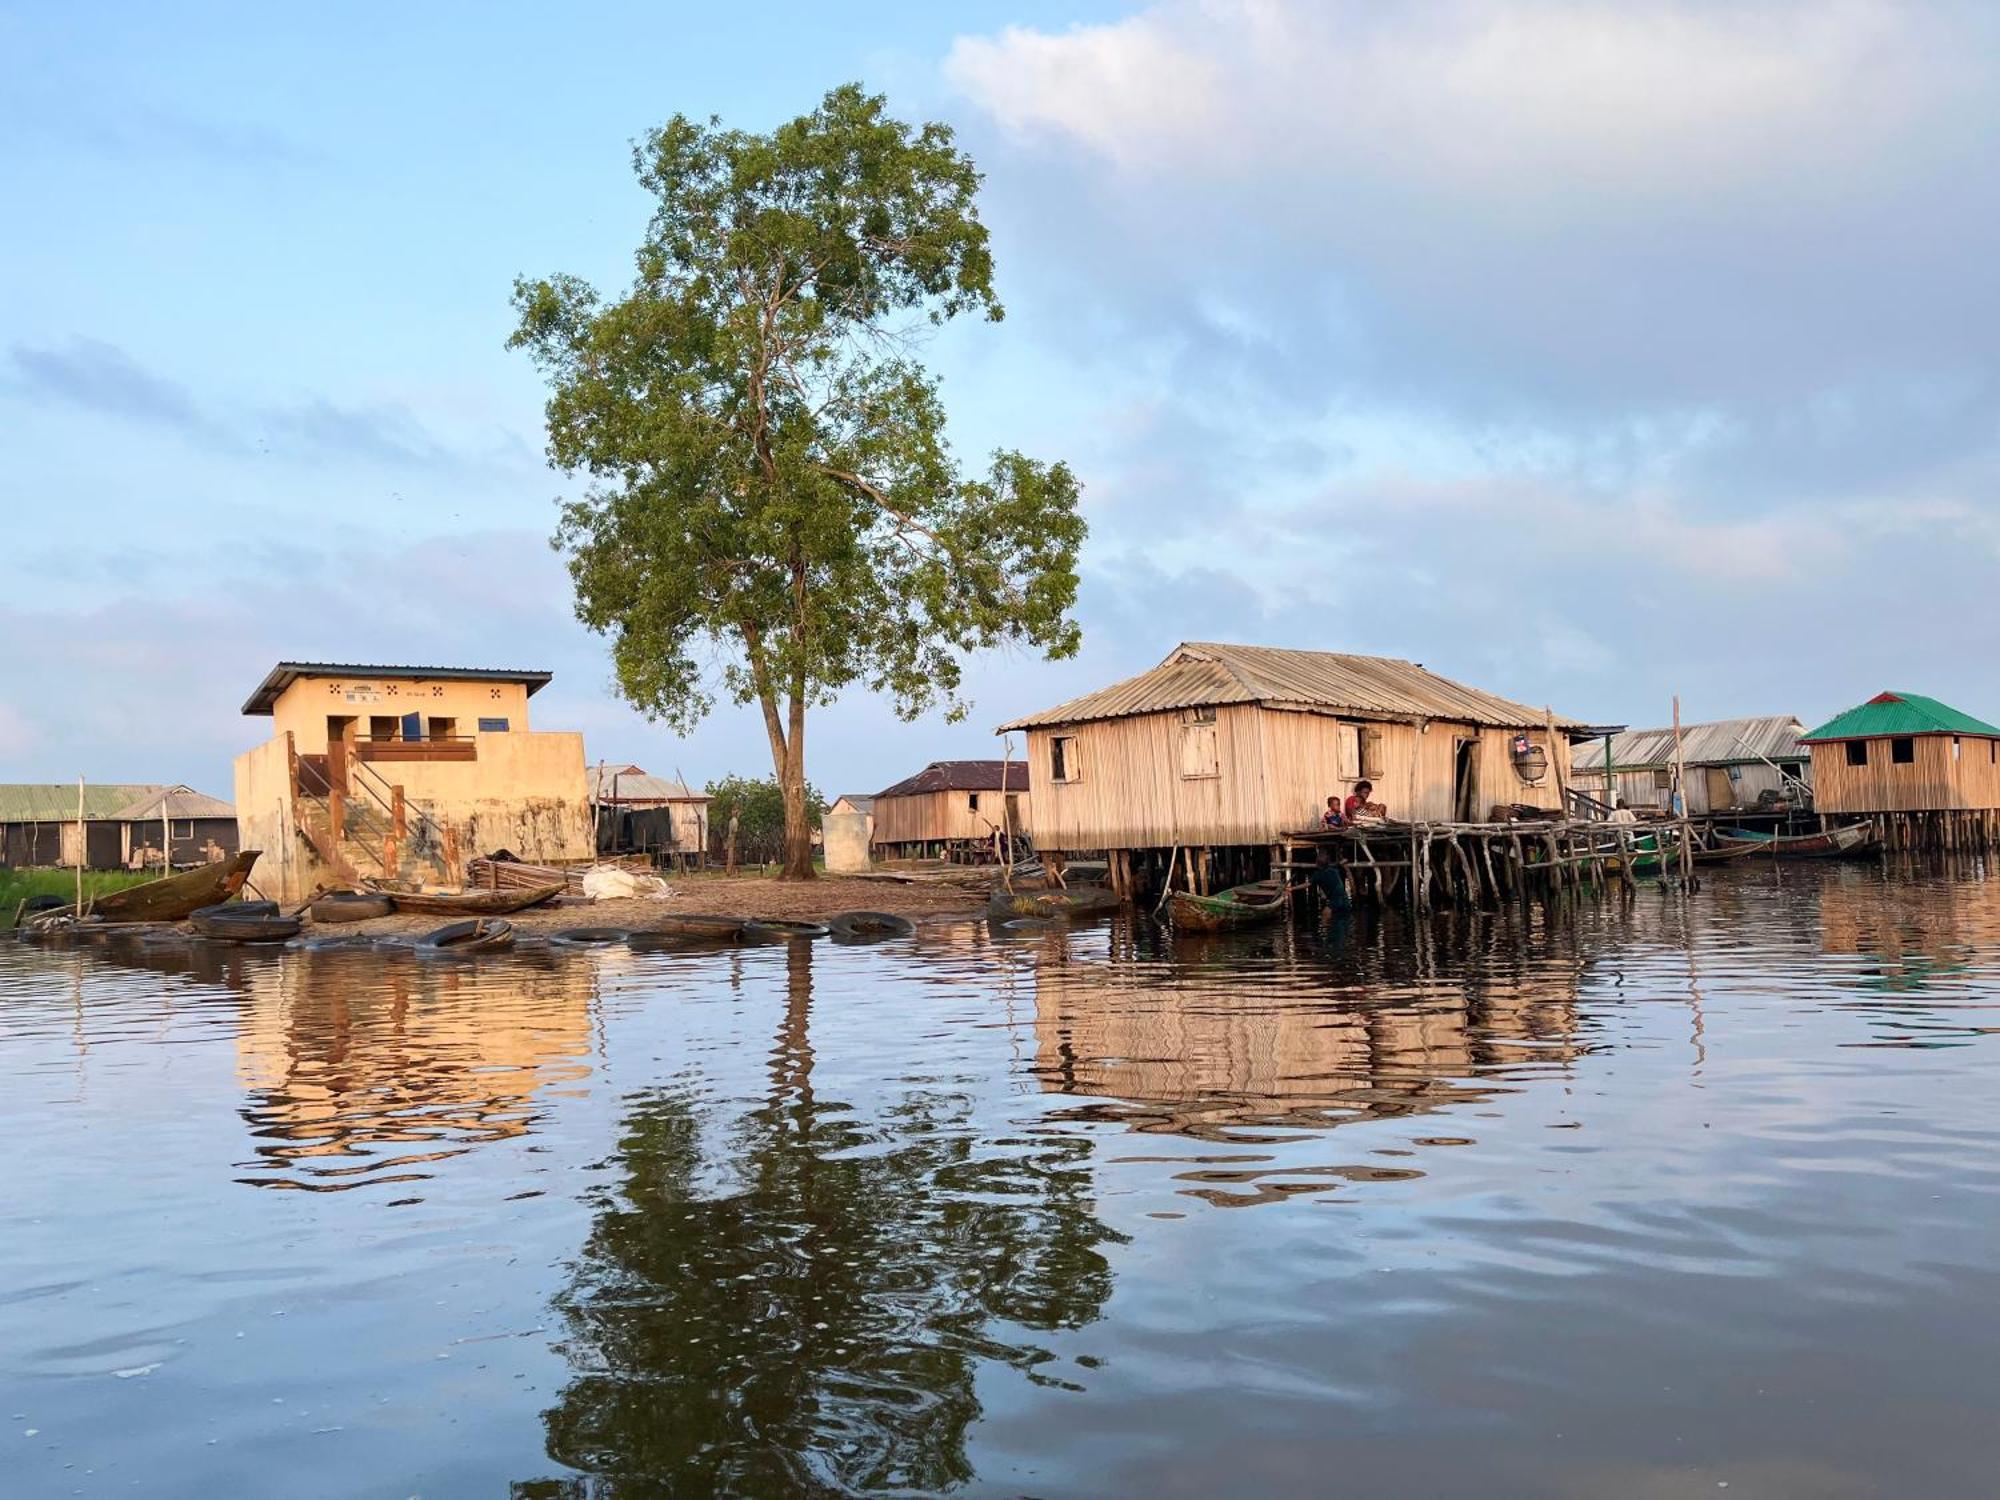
(799, 1301)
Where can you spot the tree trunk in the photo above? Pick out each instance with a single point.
(792, 777)
(729, 848)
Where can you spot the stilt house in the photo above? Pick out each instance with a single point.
(1905, 753)
(1732, 764)
(949, 802)
(1231, 746)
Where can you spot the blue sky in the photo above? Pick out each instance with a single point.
(1591, 353)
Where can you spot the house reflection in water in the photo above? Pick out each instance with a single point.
(1253, 1044)
(361, 1068)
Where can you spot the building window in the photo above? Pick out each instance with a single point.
(185, 831)
(492, 726)
(1065, 764)
(1371, 752)
(1857, 752)
(1200, 757)
(1663, 781)
(382, 727)
(1903, 751)
(972, 802)
(1954, 747)
(442, 729)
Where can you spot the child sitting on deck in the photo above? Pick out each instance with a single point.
(1360, 809)
(1332, 818)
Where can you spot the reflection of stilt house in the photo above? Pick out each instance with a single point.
(1732, 765)
(1929, 774)
(1229, 747)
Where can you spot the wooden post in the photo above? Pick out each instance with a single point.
(729, 849)
(166, 837)
(82, 842)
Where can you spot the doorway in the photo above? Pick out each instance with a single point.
(1465, 781)
(340, 732)
(1721, 790)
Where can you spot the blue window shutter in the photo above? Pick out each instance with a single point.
(413, 727)
(492, 726)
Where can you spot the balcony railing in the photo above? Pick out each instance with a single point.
(416, 750)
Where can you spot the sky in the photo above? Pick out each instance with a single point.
(1592, 353)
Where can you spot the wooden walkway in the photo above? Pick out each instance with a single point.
(1426, 865)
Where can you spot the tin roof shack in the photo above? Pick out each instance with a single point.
(1732, 764)
(948, 806)
(38, 823)
(637, 811)
(400, 774)
(193, 828)
(1930, 773)
(1232, 746)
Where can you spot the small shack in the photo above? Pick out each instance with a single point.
(1929, 773)
(1230, 747)
(1733, 765)
(38, 823)
(950, 807)
(194, 829)
(640, 812)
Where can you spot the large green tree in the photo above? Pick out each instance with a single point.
(773, 510)
(759, 805)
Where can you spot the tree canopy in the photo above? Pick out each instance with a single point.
(759, 802)
(773, 511)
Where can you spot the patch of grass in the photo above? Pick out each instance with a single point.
(17, 886)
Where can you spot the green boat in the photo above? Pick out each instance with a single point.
(1240, 906)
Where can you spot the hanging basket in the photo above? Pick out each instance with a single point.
(1531, 761)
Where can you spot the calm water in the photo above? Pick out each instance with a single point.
(1647, 1203)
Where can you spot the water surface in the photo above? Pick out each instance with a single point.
(1664, 1197)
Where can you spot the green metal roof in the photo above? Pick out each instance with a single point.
(55, 801)
(1899, 714)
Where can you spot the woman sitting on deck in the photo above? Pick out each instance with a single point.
(1360, 809)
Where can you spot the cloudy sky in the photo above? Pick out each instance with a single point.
(1588, 352)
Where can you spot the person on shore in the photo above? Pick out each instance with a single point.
(1360, 809)
(1622, 814)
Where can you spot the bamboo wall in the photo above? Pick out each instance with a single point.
(1950, 773)
(1642, 788)
(1277, 767)
(937, 817)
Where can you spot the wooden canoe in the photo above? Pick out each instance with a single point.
(473, 903)
(1835, 843)
(175, 898)
(1240, 906)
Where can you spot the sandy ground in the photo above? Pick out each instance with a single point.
(714, 895)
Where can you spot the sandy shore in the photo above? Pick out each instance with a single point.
(757, 896)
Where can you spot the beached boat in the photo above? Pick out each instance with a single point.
(1240, 906)
(174, 898)
(1835, 843)
(473, 903)
(1052, 901)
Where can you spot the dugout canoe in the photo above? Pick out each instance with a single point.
(1250, 905)
(175, 898)
(473, 903)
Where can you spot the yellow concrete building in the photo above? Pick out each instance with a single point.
(401, 774)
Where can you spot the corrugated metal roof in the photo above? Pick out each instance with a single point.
(55, 802)
(1901, 714)
(180, 802)
(1208, 673)
(285, 673)
(856, 800)
(630, 784)
(961, 776)
(1717, 743)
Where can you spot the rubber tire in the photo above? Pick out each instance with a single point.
(254, 929)
(350, 906)
(589, 937)
(868, 926)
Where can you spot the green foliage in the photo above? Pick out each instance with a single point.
(760, 805)
(17, 886)
(773, 510)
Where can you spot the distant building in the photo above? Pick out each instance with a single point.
(846, 829)
(401, 774)
(949, 802)
(1732, 765)
(637, 811)
(121, 825)
(1905, 753)
(1223, 746)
